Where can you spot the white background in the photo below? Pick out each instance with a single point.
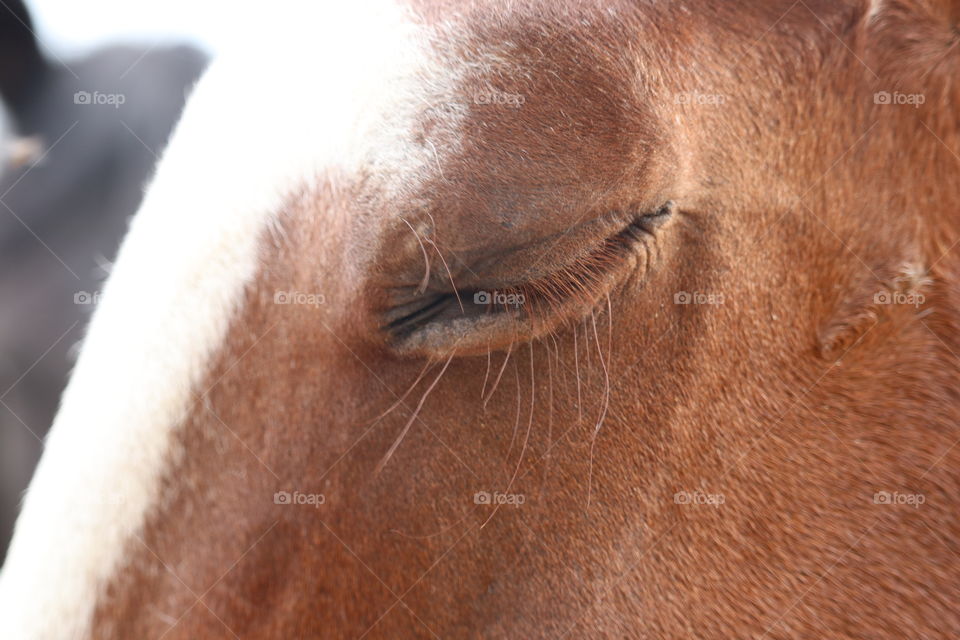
(68, 28)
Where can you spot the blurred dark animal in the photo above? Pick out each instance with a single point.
(81, 141)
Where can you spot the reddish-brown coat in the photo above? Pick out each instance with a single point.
(796, 399)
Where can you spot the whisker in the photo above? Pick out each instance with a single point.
(609, 330)
(516, 424)
(405, 394)
(576, 365)
(431, 535)
(449, 275)
(586, 347)
(556, 351)
(526, 439)
(606, 404)
(496, 382)
(426, 259)
(549, 447)
(416, 412)
(550, 413)
(483, 391)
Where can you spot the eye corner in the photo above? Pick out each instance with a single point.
(663, 212)
(655, 219)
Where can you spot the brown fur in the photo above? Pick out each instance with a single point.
(797, 399)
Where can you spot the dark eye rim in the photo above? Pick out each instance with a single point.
(405, 320)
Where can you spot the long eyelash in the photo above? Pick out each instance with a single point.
(581, 281)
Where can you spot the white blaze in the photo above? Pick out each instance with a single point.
(336, 90)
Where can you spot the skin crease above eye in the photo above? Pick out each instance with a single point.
(549, 303)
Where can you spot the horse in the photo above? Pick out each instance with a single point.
(80, 140)
(527, 319)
